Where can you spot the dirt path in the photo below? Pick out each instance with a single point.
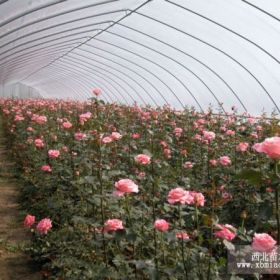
(14, 264)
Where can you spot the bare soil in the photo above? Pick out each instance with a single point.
(14, 263)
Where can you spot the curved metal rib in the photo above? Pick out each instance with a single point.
(217, 49)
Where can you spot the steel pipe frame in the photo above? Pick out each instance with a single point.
(40, 49)
(217, 49)
(29, 64)
(122, 18)
(58, 25)
(237, 34)
(31, 59)
(127, 68)
(118, 71)
(134, 63)
(79, 85)
(219, 103)
(23, 59)
(261, 10)
(28, 12)
(56, 15)
(166, 70)
(50, 35)
(82, 76)
(102, 75)
(87, 72)
(192, 57)
(226, 28)
(67, 86)
(21, 69)
(110, 78)
(172, 59)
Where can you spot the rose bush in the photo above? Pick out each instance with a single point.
(141, 193)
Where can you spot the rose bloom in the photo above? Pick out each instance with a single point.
(198, 198)
(80, 136)
(30, 129)
(167, 153)
(97, 91)
(224, 160)
(230, 132)
(143, 159)
(213, 162)
(44, 225)
(116, 136)
(53, 153)
(209, 135)
(161, 225)
(41, 119)
(188, 164)
(39, 143)
(46, 168)
(242, 147)
(29, 220)
(179, 195)
(182, 235)
(263, 242)
(125, 186)
(113, 225)
(135, 135)
(225, 232)
(178, 131)
(107, 139)
(66, 125)
(270, 147)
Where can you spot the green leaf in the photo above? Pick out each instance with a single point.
(253, 176)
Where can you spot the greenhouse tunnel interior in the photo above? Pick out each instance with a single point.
(183, 53)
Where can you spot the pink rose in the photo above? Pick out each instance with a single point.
(179, 195)
(182, 235)
(39, 143)
(178, 131)
(29, 221)
(188, 165)
(46, 168)
(230, 132)
(116, 136)
(242, 147)
(209, 135)
(44, 225)
(125, 186)
(143, 159)
(66, 125)
(161, 225)
(224, 160)
(270, 146)
(135, 135)
(40, 119)
(107, 139)
(263, 242)
(167, 153)
(113, 225)
(97, 91)
(213, 162)
(53, 153)
(227, 232)
(80, 136)
(198, 198)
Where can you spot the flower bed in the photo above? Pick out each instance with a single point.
(117, 192)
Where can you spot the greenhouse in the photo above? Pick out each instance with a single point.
(139, 139)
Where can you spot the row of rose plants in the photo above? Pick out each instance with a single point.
(130, 192)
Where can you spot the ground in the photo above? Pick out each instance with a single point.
(14, 263)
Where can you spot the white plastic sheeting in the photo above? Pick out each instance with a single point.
(180, 52)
